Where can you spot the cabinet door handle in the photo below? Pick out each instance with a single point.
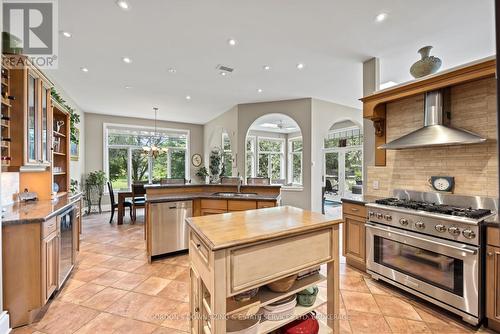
(354, 209)
(198, 246)
(490, 254)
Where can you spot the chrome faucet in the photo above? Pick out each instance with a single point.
(240, 182)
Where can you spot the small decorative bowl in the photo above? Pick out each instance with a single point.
(282, 285)
(307, 297)
(246, 296)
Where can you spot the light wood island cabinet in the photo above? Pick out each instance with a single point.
(227, 252)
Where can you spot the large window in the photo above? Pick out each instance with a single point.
(227, 155)
(270, 159)
(126, 162)
(295, 160)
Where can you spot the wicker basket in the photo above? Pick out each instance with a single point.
(282, 285)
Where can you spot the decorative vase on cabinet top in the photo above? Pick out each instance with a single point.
(426, 65)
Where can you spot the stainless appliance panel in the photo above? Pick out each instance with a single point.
(458, 288)
(170, 233)
(66, 248)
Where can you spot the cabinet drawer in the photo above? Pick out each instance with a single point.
(241, 205)
(214, 204)
(262, 263)
(493, 236)
(354, 209)
(199, 255)
(48, 227)
(266, 204)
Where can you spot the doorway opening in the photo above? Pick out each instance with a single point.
(343, 161)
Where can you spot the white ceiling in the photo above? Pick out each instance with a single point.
(331, 37)
(286, 124)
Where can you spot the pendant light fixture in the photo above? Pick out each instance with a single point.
(152, 150)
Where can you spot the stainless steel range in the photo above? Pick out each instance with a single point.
(430, 244)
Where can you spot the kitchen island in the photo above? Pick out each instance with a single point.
(236, 252)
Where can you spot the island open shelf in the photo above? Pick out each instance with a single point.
(233, 253)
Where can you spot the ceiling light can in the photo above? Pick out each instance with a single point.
(67, 34)
(122, 4)
(84, 69)
(231, 42)
(381, 17)
(300, 66)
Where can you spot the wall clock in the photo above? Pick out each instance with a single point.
(442, 183)
(196, 160)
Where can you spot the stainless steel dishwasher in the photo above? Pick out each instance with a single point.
(168, 228)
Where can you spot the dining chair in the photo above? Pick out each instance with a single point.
(258, 181)
(173, 181)
(138, 198)
(114, 205)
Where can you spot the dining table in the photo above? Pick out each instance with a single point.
(122, 196)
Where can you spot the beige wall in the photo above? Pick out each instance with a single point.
(324, 115)
(473, 107)
(300, 111)
(212, 134)
(95, 142)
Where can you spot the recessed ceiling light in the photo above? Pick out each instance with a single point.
(381, 17)
(84, 69)
(259, 90)
(127, 60)
(188, 97)
(266, 67)
(172, 70)
(223, 73)
(300, 66)
(128, 87)
(231, 42)
(122, 4)
(67, 34)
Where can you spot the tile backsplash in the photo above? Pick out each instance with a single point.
(473, 107)
(10, 187)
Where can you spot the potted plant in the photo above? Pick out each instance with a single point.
(215, 165)
(358, 177)
(94, 188)
(202, 173)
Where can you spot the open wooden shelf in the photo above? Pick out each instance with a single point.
(59, 153)
(59, 173)
(267, 326)
(265, 296)
(58, 134)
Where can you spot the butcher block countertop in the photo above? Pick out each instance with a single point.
(238, 228)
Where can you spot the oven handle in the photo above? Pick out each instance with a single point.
(466, 250)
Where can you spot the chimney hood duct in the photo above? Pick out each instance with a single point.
(434, 132)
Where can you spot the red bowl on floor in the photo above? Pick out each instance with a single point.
(306, 325)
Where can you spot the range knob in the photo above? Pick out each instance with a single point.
(379, 215)
(453, 230)
(420, 225)
(440, 228)
(469, 234)
(388, 217)
(403, 221)
(371, 213)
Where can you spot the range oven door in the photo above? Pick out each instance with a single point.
(446, 271)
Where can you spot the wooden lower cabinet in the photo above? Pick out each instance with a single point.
(78, 224)
(354, 241)
(30, 268)
(218, 206)
(50, 267)
(354, 235)
(493, 279)
(207, 212)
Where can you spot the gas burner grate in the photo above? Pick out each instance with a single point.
(435, 208)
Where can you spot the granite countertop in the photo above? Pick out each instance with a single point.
(361, 199)
(37, 211)
(206, 195)
(188, 185)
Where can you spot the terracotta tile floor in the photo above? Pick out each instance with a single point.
(114, 290)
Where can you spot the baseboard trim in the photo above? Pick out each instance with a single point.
(4, 323)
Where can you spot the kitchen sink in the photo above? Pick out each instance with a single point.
(233, 194)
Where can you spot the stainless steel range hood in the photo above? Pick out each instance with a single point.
(434, 132)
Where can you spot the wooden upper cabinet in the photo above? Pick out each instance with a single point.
(31, 118)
